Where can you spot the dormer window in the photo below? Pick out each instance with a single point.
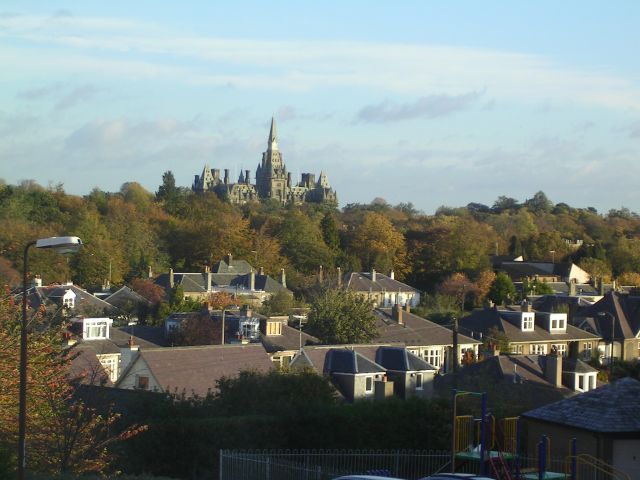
(528, 321)
(96, 328)
(557, 323)
(69, 299)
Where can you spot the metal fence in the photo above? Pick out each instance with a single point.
(328, 464)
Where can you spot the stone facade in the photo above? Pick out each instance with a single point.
(272, 181)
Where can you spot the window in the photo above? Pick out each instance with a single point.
(110, 365)
(68, 302)
(527, 323)
(142, 382)
(368, 387)
(418, 381)
(517, 348)
(587, 349)
(538, 349)
(558, 324)
(580, 382)
(95, 329)
(561, 348)
(432, 356)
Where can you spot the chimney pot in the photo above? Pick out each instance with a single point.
(283, 278)
(373, 275)
(392, 275)
(261, 271)
(396, 314)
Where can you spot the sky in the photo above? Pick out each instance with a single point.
(429, 102)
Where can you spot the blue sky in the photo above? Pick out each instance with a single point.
(434, 103)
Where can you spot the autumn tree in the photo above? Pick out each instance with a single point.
(502, 289)
(220, 300)
(197, 329)
(339, 316)
(458, 286)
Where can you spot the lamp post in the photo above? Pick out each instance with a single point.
(60, 245)
(613, 337)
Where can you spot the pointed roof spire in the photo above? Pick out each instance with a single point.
(272, 144)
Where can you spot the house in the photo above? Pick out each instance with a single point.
(110, 346)
(616, 320)
(382, 290)
(604, 422)
(544, 271)
(127, 300)
(192, 371)
(424, 338)
(357, 374)
(67, 298)
(248, 286)
(531, 333)
(281, 341)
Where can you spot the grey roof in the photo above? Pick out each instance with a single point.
(84, 304)
(550, 303)
(125, 298)
(612, 408)
(197, 282)
(361, 282)
(625, 309)
(575, 365)
(482, 320)
(145, 336)
(235, 267)
(416, 330)
(400, 359)
(289, 340)
(342, 360)
(85, 367)
(196, 370)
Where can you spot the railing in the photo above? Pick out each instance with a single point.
(329, 464)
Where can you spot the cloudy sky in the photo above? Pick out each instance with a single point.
(434, 103)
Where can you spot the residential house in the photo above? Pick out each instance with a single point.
(604, 422)
(357, 374)
(566, 272)
(383, 290)
(250, 287)
(531, 333)
(191, 371)
(616, 320)
(424, 338)
(281, 341)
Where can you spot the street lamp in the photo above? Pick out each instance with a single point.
(60, 245)
(613, 336)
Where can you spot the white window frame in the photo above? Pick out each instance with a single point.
(587, 350)
(528, 322)
(561, 348)
(516, 348)
(538, 349)
(419, 381)
(110, 364)
(433, 356)
(368, 384)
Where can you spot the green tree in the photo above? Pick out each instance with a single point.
(280, 303)
(303, 244)
(339, 316)
(502, 289)
(330, 231)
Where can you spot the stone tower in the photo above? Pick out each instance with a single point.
(271, 176)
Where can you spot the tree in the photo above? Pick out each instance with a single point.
(496, 338)
(339, 316)
(539, 203)
(280, 303)
(459, 286)
(502, 289)
(330, 231)
(220, 300)
(197, 329)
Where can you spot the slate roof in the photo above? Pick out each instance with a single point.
(399, 359)
(289, 340)
(416, 331)
(612, 408)
(145, 336)
(482, 320)
(195, 370)
(626, 310)
(125, 298)
(85, 303)
(236, 267)
(550, 303)
(342, 360)
(361, 282)
(86, 367)
(197, 282)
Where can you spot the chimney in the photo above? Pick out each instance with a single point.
(207, 272)
(320, 274)
(150, 272)
(261, 271)
(252, 280)
(247, 177)
(396, 314)
(128, 354)
(289, 180)
(339, 272)
(572, 288)
(525, 306)
(392, 275)
(229, 259)
(373, 275)
(226, 176)
(553, 369)
(283, 278)
(37, 281)
(171, 280)
(601, 287)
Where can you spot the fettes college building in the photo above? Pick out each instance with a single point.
(272, 181)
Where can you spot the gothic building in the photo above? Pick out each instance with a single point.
(272, 181)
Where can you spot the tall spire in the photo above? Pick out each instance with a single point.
(272, 144)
